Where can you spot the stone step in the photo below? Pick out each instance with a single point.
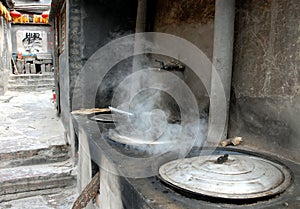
(31, 82)
(31, 76)
(62, 198)
(41, 79)
(27, 181)
(38, 87)
(34, 156)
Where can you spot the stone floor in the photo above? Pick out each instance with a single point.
(62, 199)
(28, 124)
(28, 120)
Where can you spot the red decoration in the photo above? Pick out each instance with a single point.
(15, 14)
(45, 14)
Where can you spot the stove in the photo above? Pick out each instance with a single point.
(272, 189)
(207, 178)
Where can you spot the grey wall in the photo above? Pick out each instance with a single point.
(5, 50)
(64, 79)
(265, 88)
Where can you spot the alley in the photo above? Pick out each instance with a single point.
(140, 104)
(35, 169)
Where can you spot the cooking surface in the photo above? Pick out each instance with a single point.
(238, 177)
(151, 193)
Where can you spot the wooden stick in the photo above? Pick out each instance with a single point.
(15, 67)
(89, 192)
(90, 111)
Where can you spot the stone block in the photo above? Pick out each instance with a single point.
(27, 68)
(48, 68)
(20, 66)
(43, 68)
(42, 56)
(32, 69)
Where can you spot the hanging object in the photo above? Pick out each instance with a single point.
(45, 14)
(24, 18)
(15, 14)
(37, 18)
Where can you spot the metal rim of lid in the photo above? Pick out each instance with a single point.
(128, 140)
(241, 177)
(104, 117)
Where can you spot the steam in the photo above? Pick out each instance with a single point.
(150, 122)
(151, 134)
(120, 111)
(148, 119)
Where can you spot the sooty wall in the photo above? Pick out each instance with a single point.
(265, 88)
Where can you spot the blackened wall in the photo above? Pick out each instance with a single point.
(265, 88)
(194, 21)
(90, 25)
(102, 22)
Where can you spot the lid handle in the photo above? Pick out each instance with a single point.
(222, 159)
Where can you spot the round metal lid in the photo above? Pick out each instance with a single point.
(233, 177)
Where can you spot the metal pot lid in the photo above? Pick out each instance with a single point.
(231, 177)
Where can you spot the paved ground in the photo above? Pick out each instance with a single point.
(62, 199)
(28, 121)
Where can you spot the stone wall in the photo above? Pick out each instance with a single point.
(265, 88)
(75, 43)
(5, 50)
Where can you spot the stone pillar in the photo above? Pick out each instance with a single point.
(75, 45)
(48, 68)
(223, 49)
(140, 27)
(141, 16)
